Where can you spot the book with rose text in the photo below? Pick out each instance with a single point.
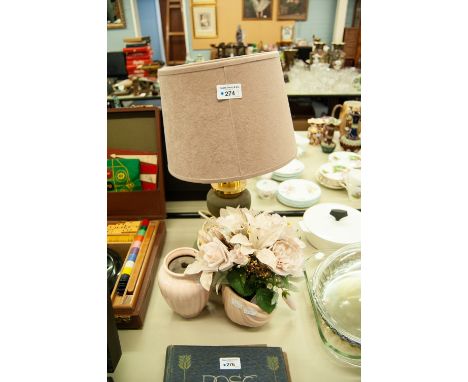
(225, 364)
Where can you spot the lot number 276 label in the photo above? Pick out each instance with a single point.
(229, 363)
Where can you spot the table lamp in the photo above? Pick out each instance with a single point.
(226, 121)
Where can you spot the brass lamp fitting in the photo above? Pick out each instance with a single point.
(229, 190)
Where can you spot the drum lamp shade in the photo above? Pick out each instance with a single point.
(213, 141)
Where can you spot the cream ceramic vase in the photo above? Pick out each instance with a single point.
(183, 293)
(243, 312)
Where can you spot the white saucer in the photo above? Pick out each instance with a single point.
(292, 169)
(324, 182)
(352, 159)
(333, 172)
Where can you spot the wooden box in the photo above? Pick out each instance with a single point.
(137, 129)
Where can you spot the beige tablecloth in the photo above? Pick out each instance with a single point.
(144, 350)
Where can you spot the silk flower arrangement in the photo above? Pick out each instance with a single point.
(256, 254)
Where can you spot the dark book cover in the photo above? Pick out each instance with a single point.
(225, 364)
(136, 44)
(137, 39)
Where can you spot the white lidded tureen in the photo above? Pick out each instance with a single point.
(329, 226)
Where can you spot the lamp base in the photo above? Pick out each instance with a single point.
(216, 202)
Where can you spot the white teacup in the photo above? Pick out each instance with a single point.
(352, 183)
(266, 188)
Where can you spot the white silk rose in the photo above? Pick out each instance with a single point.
(239, 255)
(284, 257)
(288, 253)
(212, 257)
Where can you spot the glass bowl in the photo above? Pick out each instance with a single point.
(335, 292)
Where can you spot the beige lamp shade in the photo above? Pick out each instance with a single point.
(210, 140)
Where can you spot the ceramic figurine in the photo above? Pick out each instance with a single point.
(326, 55)
(220, 50)
(315, 130)
(239, 35)
(327, 143)
(135, 85)
(352, 141)
(314, 135)
(319, 53)
(289, 56)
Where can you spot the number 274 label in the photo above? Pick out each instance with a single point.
(228, 91)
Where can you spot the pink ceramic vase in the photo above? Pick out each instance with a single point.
(243, 312)
(183, 293)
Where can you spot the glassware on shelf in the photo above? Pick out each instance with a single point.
(289, 57)
(320, 79)
(319, 53)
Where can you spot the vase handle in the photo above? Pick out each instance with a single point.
(335, 108)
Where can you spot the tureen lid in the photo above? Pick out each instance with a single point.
(334, 222)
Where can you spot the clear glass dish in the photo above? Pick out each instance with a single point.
(335, 292)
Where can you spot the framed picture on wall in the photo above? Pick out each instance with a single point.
(198, 2)
(292, 10)
(257, 9)
(204, 21)
(287, 33)
(115, 15)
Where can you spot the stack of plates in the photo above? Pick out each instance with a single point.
(301, 141)
(331, 174)
(352, 159)
(298, 193)
(292, 170)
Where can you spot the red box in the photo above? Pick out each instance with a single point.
(138, 62)
(140, 49)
